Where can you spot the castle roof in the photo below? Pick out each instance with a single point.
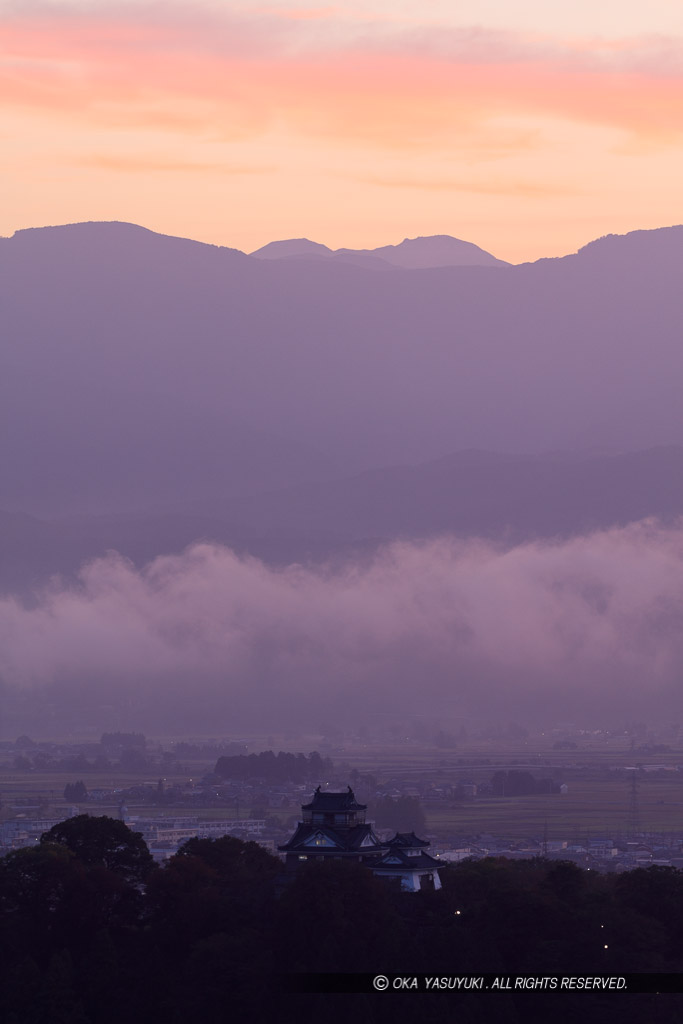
(408, 840)
(396, 860)
(309, 838)
(331, 802)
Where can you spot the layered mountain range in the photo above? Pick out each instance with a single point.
(411, 253)
(298, 400)
(505, 498)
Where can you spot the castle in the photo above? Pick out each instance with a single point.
(333, 826)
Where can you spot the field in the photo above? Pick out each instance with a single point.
(598, 775)
(591, 807)
(599, 779)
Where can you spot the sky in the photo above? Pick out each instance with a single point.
(526, 127)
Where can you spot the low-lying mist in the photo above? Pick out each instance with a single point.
(591, 625)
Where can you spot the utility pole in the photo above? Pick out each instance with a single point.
(633, 826)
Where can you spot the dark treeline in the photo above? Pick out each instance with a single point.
(77, 791)
(271, 767)
(92, 932)
(516, 783)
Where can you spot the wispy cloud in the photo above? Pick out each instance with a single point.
(502, 187)
(240, 74)
(337, 98)
(136, 165)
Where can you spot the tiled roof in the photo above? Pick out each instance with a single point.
(408, 839)
(346, 839)
(345, 801)
(389, 861)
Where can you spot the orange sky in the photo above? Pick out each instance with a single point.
(355, 125)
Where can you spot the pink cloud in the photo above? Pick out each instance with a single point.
(591, 620)
(238, 75)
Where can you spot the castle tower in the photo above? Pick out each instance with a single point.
(333, 826)
(407, 863)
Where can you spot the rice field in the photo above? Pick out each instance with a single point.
(591, 807)
(598, 777)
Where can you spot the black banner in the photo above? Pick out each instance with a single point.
(460, 983)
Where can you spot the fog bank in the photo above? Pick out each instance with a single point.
(465, 626)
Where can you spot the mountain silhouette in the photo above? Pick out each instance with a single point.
(291, 247)
(411, 253)
(432, 251)
(140, 371)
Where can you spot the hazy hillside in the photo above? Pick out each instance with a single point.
(143, 371)
(512, 497)
(474, 493)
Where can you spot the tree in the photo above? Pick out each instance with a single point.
(513, 783)
(50, 901)
(104, 841)
(35, 884)
(76, 792)
(232, 858)
(335, 916)
(24, 742)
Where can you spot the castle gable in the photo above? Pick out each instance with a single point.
(320, 838)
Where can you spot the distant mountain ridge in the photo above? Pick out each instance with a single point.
(288, 247)
(518, 497)
(411, 253)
